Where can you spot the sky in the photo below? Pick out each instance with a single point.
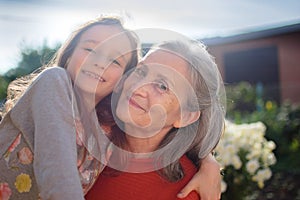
(35, 22)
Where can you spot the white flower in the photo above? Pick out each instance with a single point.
(265, 173)
(236, 162)
(253, 153)
(271, 159)
(252, 166)
(270, 145)
(268, 158)
(230, 148)
(226, 159)
(246, 143)
(261, 176)
(223, 186)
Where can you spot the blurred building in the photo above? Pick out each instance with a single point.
(270, 58)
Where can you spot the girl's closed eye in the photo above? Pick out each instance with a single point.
(91, 50)
(116, 62)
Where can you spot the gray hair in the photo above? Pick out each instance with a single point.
(210, 100)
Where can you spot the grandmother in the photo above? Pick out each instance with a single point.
(170, 117)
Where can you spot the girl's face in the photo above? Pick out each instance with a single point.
(99, 60)
(153, 95)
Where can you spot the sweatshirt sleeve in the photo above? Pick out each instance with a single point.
(54, 141)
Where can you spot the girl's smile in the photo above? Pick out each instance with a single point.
(93, 75)
(99, 60)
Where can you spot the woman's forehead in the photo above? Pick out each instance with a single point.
(168, 60)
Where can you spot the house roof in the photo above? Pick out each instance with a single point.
(282, 30)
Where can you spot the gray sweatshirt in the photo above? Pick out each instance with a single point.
(41, 126)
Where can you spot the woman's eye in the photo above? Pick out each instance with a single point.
(162, 86)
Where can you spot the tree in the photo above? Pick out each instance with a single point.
(31, 59)
(3, 86)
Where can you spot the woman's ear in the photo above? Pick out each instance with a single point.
(187, 119)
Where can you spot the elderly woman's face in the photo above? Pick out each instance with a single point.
(153, 95)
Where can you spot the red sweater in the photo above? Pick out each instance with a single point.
(141, 186)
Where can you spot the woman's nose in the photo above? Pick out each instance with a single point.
(143, 89)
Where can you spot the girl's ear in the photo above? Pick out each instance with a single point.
(187, 119)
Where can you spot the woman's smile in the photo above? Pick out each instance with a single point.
(134, 104)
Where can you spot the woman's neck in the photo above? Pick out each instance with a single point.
(143, 144)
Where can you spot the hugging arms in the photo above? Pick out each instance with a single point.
(51, 134)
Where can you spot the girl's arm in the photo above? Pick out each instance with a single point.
(49, 106)
(207, 181)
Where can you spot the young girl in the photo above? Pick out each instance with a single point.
(51, 133)
(38, 135)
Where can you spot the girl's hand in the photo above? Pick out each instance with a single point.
(207, 181)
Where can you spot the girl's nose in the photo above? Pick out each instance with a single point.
(100, 61)
(99, 65)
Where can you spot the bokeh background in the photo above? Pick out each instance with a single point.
(256, 45)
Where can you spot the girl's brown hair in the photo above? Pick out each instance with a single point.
(17, 87)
